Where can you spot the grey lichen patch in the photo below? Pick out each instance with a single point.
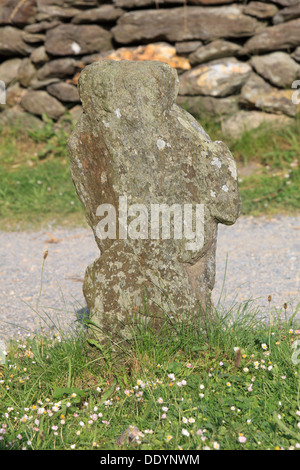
(133, 140)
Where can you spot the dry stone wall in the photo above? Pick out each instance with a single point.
(236, 60)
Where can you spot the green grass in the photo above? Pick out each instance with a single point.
(182, 390)
(36, 186)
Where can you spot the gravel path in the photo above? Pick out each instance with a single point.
(263, 257)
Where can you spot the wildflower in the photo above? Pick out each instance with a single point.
(228, 384)
(168, 438)
(242, 438)
(165, 408)
(189, 365)
(184, 420)
(81, 423)
(171, 376)
(216, 446)
(191, 420)
(184, 432)
(74, 395)
(245, 369)
(163, 416)
(98, 389)
(78, 433)
(201, 387)
(54, 428)
(264, 346)
(221, 363)
(201, 395)
(232, 408)
(73, 446)
(160, 400)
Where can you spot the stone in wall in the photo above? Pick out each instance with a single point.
(257, 93)
(278, 68)
(103, 14)
(26, 73)
(185, 48)
(14, 95)
(34, 39)
(71, 39)
(132, 4)
(64, 92)
(12, 42)
(214, 50)
(289, 13)
(17, 12)
(296, 54)
(285, 3)
(278, 37)
(203, 105)
(39, 102)
(218, 78)
(162, 52)
(39, 56)
(48, 12)
(41, 26)
(242, 121)
(261, 10)
(176, 24)
(58, 68)
(9, 70)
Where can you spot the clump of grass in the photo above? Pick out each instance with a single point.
(190, 395)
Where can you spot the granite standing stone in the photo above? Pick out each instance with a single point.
(133, 142)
